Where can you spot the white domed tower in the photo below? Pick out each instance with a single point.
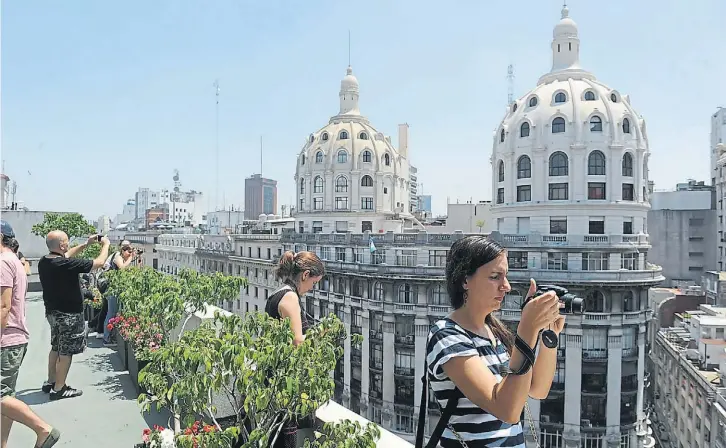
(570, 176)
(349, 176)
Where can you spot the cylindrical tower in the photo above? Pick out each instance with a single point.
(570, 177)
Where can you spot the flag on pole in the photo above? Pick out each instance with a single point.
(372, 245)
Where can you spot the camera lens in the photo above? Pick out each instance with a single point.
(578, 305)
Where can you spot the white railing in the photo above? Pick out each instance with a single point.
(333, 412)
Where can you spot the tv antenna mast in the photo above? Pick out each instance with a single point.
(216, 141)
(510, 84)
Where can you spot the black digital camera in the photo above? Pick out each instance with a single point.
(573, 304)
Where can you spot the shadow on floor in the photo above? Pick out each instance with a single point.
(32, 397)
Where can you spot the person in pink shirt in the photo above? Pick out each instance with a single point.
(14, 344)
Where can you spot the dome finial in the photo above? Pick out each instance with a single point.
(565, 11)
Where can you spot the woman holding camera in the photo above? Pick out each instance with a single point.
(119, 260)
(475, 365)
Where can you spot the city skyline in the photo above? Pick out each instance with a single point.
(137, 95)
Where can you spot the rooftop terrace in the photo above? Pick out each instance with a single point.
(107, 413)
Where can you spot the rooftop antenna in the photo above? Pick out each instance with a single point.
(216, 140)
(261, 146)
(348, 48)
(510, 84)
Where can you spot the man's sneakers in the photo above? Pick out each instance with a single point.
(66, 392)
(47, 387)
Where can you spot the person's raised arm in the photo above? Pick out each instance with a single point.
(504, 400)
(290, 307)
(101, 258)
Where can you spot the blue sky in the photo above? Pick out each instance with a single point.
(100, 98)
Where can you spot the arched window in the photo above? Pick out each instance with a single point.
(312, 138)
(363, 136)
(378, 292)
(558, 164)
(501, 136)
(302, 159)
(524, 168)
(324, 137)
(302, 186)
(613, 98)
(319, 157)
(596, 164)
(595, 124)
(405, 293)
(558, 125)
(627, 165)
(387, 159)
(595, 302)
(626, 126)
(533, 101)
(438, 295)
(367, 156)
(318, 185)
(560, 98)
(342, 156)
(341, 184)
(366, 181)
(501, 171)
(589, 96)
(514, 107)
(343, 135)
(524, 130)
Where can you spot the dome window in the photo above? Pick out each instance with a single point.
(363, 136)
(560, 98)
(501, 171)
(595, 124)
(318, 185)
(558, 164)
(626, 126)
(367, 156)
(386, 159)
(312, 138)
(366, 181)
(589, 96)
(341, 184)
(343, 135)
(501, 136)
(324, 137)
(558, 125)
(524, 130)
(302, 186)
(533, 101)
(613, 98)
(302, 159)
(514, 107)
(342, 156)
(524, 168)
(596, 164)
(319, 157)
(628, 165)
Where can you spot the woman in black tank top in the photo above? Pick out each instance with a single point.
(299, 272)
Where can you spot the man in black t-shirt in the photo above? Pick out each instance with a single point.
(59, 276)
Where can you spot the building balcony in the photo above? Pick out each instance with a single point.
(536, 240)
(634, 277)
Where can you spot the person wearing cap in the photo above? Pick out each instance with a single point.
(14, 345)
(59, 276)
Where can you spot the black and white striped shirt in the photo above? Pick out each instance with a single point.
(477, 427)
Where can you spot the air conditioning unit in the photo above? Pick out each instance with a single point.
(586, 423)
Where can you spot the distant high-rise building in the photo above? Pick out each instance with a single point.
(718, 178)
(260, 196)
(424, 203)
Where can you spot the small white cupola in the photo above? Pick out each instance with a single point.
(565, 43)
(349, 94)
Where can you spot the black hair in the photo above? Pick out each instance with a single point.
(12, 244)
(464, 258)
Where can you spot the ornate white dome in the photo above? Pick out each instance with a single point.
(573, 131)
(349, 166)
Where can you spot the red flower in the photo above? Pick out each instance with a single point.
(109, 326)
(146, 432)
(208, 428)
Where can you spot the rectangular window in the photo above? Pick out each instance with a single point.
(630, 261)
(596, 190)
(341, 203)
(317, 203)
(340, 254)
(406, 257)
(696, 222)
(302, 204)
(558, 226)
(557, 261)
(628, 192)
(500, 196)
(558, 191)
(437, 257)
(366, 203)
(517, 259)
(597, 227)
(628, 226)
(317, 226)
(595, 261)
(524, 193)
(326, 253)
